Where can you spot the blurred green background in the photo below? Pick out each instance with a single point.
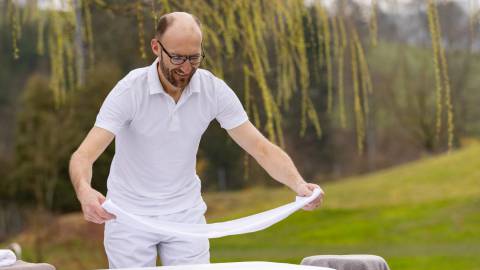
(401, 194)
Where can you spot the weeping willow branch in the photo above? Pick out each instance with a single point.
(441, 76)
(88, 30)
(154, 14)
(373, 26)
(141, 30)
(40, 34)
(446, 81)
(359, 114)
(308, 111)
(364, 71)
(79, 44)
(14, 20)
(472, 20)
(326, 35)
(438, 81)
(340, 65)
(259, 71)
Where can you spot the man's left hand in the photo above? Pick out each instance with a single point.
(305, 190)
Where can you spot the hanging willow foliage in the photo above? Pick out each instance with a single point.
(242, 30)
(326, 36)
(472, 19)
(141, 30)
(364, 71)
(373, 26)
(436, 63)
(359, 114)
(341, 34)
(441, 75)
(13, 18)
(88, 29)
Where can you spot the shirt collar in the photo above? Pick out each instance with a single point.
(155, 87)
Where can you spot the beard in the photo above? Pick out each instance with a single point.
(176, 77)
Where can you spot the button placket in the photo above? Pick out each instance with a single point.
(174, 124)
(173, 121)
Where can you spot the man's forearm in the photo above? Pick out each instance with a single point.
(80, 170)
(279, 165)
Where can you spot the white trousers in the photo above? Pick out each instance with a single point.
(127, 246)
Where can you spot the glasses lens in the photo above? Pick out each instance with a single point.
(196, 59)
(177, 60)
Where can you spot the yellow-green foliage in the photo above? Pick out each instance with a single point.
(472, 19)
(241, 31)
(13, 16)
(359, 116)
(88, 32)
(373, 24)
(340, 44)
(141, 30)
(441, 74)
(326, 35)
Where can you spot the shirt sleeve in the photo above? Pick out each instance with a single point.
(230, 112)
(117, 109)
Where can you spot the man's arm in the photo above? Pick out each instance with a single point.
(274, 160)
(80, 169)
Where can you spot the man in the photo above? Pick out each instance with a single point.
(157, 116)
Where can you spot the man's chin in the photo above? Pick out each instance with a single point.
(180, 81)
(180, 84)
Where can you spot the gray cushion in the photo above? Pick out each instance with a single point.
(348, 262)
(21, 265)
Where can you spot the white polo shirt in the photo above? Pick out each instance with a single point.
(156, 140)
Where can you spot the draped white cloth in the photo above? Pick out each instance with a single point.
(243, 225)
(7, 257)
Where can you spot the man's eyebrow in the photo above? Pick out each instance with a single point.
(174, 54)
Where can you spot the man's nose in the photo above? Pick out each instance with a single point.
(186, 67)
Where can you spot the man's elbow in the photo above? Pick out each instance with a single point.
(78, 157)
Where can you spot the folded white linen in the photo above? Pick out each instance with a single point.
(247, 224)
(7, 257)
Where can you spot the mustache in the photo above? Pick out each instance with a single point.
(179, 71)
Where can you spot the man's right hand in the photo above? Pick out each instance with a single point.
(91, 201)
(80, 170)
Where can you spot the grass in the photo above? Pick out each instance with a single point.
(423, 215)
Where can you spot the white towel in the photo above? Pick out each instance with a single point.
(247, 224)
(7, 257)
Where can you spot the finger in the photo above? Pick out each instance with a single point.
(94, 219)
(104, 215)
(100, 198)
(312, 187)
(319, 201)
(312, 205)
(316, 202)
(305, 191)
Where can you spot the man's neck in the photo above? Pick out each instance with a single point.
(175, 93)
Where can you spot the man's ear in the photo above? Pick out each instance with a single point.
(155, 47)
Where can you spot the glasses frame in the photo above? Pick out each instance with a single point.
(183, 57)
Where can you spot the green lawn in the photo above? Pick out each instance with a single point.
(423, 215)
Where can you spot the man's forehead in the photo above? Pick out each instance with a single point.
(182, 22)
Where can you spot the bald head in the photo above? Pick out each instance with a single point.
(178, 23)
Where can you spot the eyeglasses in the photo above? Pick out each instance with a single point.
(180, 59)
